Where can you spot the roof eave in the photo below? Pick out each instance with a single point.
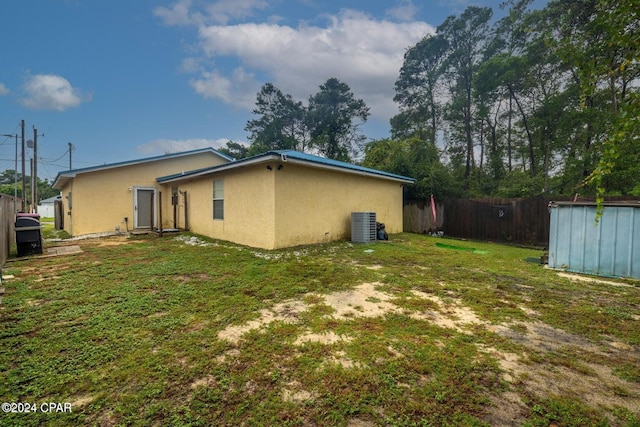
(215, 169)
(62, 179)
(274, 156)
(70, 174)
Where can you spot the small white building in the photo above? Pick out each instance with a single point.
(46, 207)
(608, 247)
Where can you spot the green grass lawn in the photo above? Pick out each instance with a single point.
(49, 231)
(155, 331)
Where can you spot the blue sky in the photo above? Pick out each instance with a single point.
(126, 79)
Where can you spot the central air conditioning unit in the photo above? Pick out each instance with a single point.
(363, 227)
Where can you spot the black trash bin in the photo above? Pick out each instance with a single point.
(28, 234)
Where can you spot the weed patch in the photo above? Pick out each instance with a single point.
(192, 331)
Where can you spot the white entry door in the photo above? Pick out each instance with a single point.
(143, 207)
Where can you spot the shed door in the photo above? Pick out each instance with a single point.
(143, 208)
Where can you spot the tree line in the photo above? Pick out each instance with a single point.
(539, 102)
(11, 183)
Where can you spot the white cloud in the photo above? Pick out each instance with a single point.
(191, 65)
(363, 52)
(163, 146)
(178, 14)
(3, 90)
(238, 90)
(404, 11)
(50, 92)
(182, 12)
(224, 10)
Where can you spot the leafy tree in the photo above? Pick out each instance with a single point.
(571, 34)
(334, 116)
(417, 89)
(235, 150)
(280, 124)
(45, 190)
(390, 156)
(7, 186)
(412, 157)
(620, 21)
(541, 103)
(329, 125)
(467, 41)
(9, 176)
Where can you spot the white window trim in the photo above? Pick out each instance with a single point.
(218, 199)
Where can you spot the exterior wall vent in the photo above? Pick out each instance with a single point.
(363, 227)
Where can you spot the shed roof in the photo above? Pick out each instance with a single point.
(621, 203)
(289, 156)
(65, 176)
(50, 200)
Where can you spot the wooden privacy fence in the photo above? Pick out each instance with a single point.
(508, 220)
(418, 216)
(7, 225)
(524, 221)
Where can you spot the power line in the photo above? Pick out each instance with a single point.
(51, 161)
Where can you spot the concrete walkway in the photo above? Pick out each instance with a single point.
(50, 252)
(62, 250)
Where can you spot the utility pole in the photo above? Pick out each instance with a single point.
(31, 183)
(70, 150)
(15, 177)
(34, 196)
(24, 184)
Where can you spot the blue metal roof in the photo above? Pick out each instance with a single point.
(286, 155)
(73, 172)
(338, 164)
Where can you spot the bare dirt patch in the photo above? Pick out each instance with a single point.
(594, 384)
(98, 239)
(157, 315)
(580, 278)
(183, 278)
(340, 358)
(363, 301)
(197, 326)
(233, 353)
(356, 422)
(82, 401)
(542, 337)
(451, 314)
(326, 338)
(507, 409)
(207, 381)
(293, 392)
(287, 311)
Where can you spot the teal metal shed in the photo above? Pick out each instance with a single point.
(607, 247)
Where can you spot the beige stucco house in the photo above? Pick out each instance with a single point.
(121, 196)
(273, 200)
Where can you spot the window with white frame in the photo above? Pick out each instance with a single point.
(218, 199)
